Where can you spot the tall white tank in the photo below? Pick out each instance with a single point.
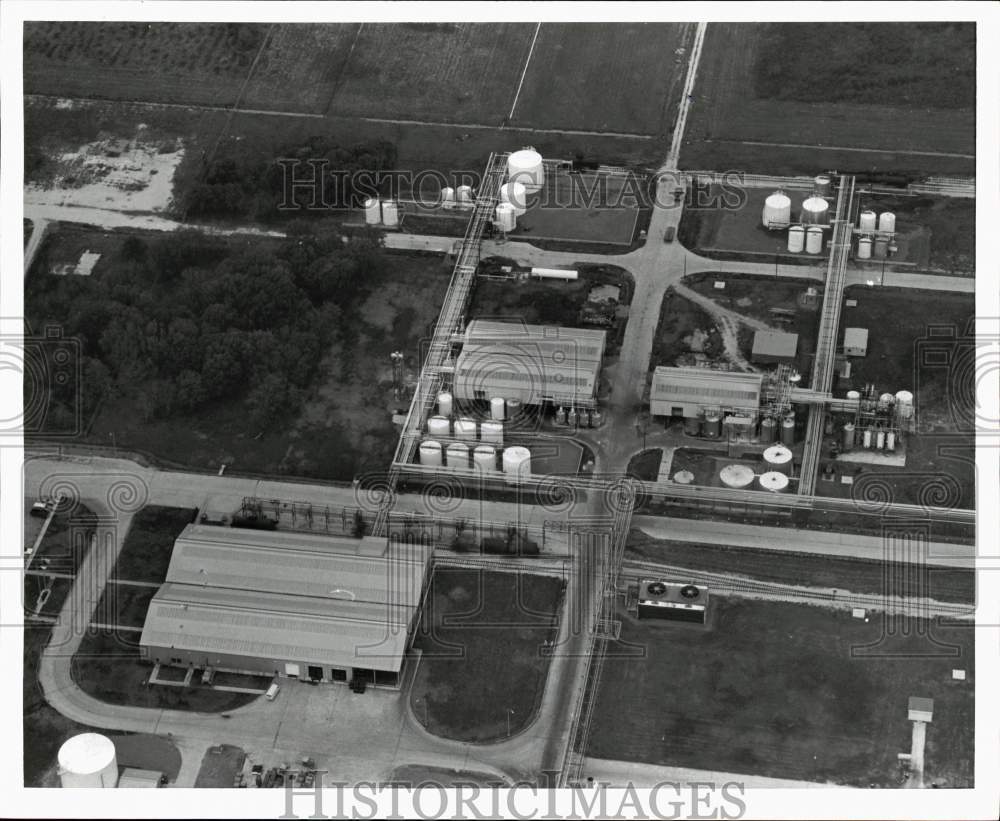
(439, 426)
(815, 211)
(779, 458)
(505, 217)
(516, 194)
(774, 482)
(526, 167)
(491, 432)
(821, 185)
(516, 463)
(464, 193)
(904, 404)
(444, 403)
(814, 239)
(867, 438)
(390, 214)
(88, 760)
(484, 458)
(777, 213)
(430, 453)
(457, 455)
(465, 429)
(448, 197)
(736, 476)
(498, 409)
(796, 239)
(866, 223)
(879, 439)
(864, 248)
(887, 222)
(373, 211)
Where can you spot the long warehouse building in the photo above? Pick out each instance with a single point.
(690, 392)
(301, 605)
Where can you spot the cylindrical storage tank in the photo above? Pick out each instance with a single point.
(498, 409)
(444, 403)
(864, 248)
(778, 457)
(904, 404)
(866, 223)
(768, 430)
(457, 455)
(847, 443)
(526, 167)
(867, 438)
(815, 211)
(516, 194)
(854, 395)
(814, 240)
(464, 193)
(712, 427)
(373, 211)
(491, 432)
(879, 439)
(788, 431)
(890, 441)
(736, 476)
(465, 429)
(561, 415)
(390, 214)
(439, 426)
(88, 760)
(505, 217)
(796, 239)
(774, 482)
(692, 425)
(484, 458)
(448, 197)
(513, 410)
(430, 453)
(777, 213)
(821, 186)
(881, 248)
(887, 223)
(684, 477)
(516, 463)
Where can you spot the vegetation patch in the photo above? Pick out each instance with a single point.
(145, 554)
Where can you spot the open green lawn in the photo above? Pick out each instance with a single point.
(788, 691)
(145, 554)
(481, 637)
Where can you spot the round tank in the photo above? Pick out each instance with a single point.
(498, 409)
(866, 223)
(887, 223)
(879, 439)
(505, 217)
(484, 457)
(814, 240)
(465, 429)
(774, 482)
(736, 476)
(561, 415)
(778, 457)
(885, 400)
(796, 239)
(904, 404)
(777, 213)
(373, 211)
(526, 167)
(768, 430)
(712, 427)
(516, 462)
(88, 760)
(890, 441)
(815, 211)
(516, 194)
(444, 403)
(439, 426)
(514, 409)
(464, 193)
(847, 443)
(491, 432)
(448, 197)
(390, 214)
(684, 477)
(867, 438)
(457, 455)
(864, 248)
(788, 431)
(854, 395)
(430, 453)
(692, 425)
(821, 185)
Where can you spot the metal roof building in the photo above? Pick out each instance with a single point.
(690, 392)
(771, 347)
(532, 363)
(294, 604)
(856, 341)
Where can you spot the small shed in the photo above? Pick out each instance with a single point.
(133, 777)
(856, 341)
(771, 347)
(921, 709)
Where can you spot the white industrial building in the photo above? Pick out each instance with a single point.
(690, 392)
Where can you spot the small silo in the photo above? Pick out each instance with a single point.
(448, 197)
(526, 167)
(684, 477)
(692, 425)
(847, 442)
(712, 427)
(777, 212)
(814, 239)
(516, 463)
(505, 217)
(430, 453)
(465, 429)
(796, 239)
(774, 482)
(498, 409)
(736, 476)
(865, 248)
(788, 430)
(88, 760)
(517, 195)
(484, 458)
(457, 455)
(444, 403)
(866, 222)
(904, 405)
(768, 430)
(390, 214)
(779, 458)
(491, 432)
(373, 211)
(465, 196)
(439, 426)
(821, 186)
(887, 223)
(815, 211)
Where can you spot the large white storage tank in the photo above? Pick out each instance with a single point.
(814, 239)
(491, 432)
(821, 185)
(526, 167)
(505, 217)
(390, 214)
(815, 211)
(457, 455)
(865, 248)
(373, 211)
(774, 482)
(516, 194)
(796, 239)
(779, 458)
(516, 463)
(88, 760)
(866, 223)
(498, 409)
(430, 453)
(484, 458)
(439, 426)
(887, 223)
(777, 212)
(448, 197)
(465, 429)
(444, 403)
(736, 476)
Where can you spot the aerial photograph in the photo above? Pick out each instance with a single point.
(530, 408)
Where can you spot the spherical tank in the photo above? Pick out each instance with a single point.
(712, 426)
(796, 239)
(814, 240)
(390, 214)
(821, 185)
(864, 248)
(88, 760)
(457, 455)
(439, 426)
(904, 404)
(526, 167)
(498, 409)
(465, 429)
(866, 223)
(516, 463)
(444, 403)
(448, 197)
(684, 477)
(465, 195)
(788, 431)
(815, 211)
(777, 211)
(774, 482)
(506, 219)
(430, 453)
(778, 457)
(491, 432)
(847, 443)
(887, 222)
(484, 457)
(516, 194)
(736, 476)
(373, 211)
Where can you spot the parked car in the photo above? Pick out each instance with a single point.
(668, 235)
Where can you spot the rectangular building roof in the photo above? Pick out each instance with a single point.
(706, 387)
(855, 337)
(775, 343)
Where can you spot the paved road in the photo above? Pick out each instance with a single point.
(38, 228)
(647, 776)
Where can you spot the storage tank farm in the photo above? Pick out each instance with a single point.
(879, 423)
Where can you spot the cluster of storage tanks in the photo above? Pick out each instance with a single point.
(875, 233)
(807, 234)
(715, 426)
(461, 197)
(578, 417)
(775, 477)
(381, 212)
(525, 175)
(879, 422)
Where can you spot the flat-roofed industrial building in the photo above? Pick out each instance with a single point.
(689, 392)
(856, 341)
(531, 363)
(301, 605)
(774, 347)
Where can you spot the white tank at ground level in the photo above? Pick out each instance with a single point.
(866, 222)
(516, 194)
(815, 211)
(505, 217)
(814, 239)
(516, 462)
(390, 214)
(373, 211)
(526, 167)
(777, 213)
(796, 239)
(88, 760)
(430, 453)
(887, 222)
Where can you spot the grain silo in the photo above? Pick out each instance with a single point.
(373, 211)
(814, 239)
(88, 760)
(430, 453)
(796, 239)
(516, 194)
(505, 218)
(526, 167)
(516, 463)
(815, 211)
(777, 213)
(390, 214)
(457, 455)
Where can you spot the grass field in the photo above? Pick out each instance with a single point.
(481, 637)
(787, 691)
(145, 554)
(729, 111)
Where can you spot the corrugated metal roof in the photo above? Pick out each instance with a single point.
(699, 382)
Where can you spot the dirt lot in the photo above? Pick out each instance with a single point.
(728, 112)
(787, 691)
